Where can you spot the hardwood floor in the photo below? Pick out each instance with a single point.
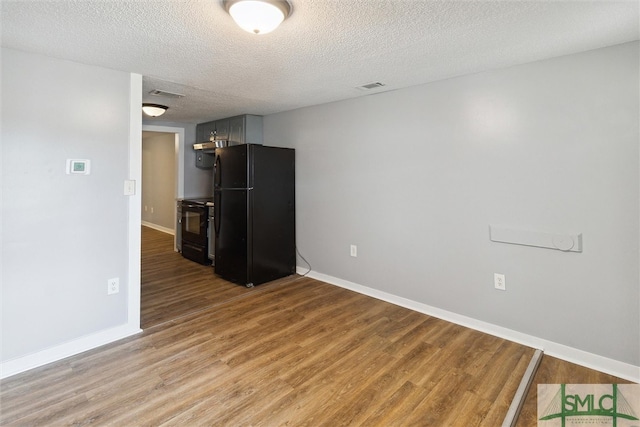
(294, 352)
(172, 286)
(297, 352)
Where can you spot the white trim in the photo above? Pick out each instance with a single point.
(71, 348)
(135, 202)
(560, 351)
(159, 227)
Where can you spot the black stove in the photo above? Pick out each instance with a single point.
(204, 201)
(195, 230)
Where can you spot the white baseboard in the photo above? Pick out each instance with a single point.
(71, 348)
(159, 227)
(560, 351)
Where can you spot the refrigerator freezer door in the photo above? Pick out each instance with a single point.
(231, 167)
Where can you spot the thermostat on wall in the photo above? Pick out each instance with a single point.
(78, 166)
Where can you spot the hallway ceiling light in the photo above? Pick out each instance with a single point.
(258, 16)
(154, 110)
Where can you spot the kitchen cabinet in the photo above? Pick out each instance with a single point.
(237, 130)
(204, 160)
(245, 129)
(203, 130)
(220, 128)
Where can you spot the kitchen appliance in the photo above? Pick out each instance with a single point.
(194, 228)
(210, 146)
(254, 218)
(205, 151)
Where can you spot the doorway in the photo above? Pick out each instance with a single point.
(158, 181)
(176, 193)
(160, 135)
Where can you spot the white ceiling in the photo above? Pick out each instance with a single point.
(321, 53)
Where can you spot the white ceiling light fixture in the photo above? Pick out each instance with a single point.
(154, 110)
(258, 16)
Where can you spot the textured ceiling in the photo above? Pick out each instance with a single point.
(321, 53)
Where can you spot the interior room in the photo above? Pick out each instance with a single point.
(460, 223)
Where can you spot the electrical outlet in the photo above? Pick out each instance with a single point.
(151, 209)
(354, 251)
(499, 282)
(113, 286)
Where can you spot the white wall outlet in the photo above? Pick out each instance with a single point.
(113, 286)
(354, 251)
(499, 282)
(151, 209)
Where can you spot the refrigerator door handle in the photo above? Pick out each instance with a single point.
(216, 212)
(216, 172)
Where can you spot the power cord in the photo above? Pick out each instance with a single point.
(304, 259)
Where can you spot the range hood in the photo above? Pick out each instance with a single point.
(210, 146)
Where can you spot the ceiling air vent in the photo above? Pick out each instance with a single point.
(370, 86)
(159, 92)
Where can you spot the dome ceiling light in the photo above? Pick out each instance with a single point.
(258, 16)
(154, 110)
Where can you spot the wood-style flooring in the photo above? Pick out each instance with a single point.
(294, 352)
(172, 286)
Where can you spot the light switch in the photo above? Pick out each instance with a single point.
(129, 187)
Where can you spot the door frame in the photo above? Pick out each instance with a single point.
(135, 214)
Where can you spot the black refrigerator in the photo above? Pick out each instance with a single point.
(254, 213)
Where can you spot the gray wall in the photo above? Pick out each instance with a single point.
(414, 177)
(197, 182)
(63, 236)
(158, 179)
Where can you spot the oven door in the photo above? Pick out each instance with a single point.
(194, 223)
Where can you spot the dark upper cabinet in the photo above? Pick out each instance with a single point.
(217, 128)
(236, 130)
(203, 130)
(246, 129)
(222, 129)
